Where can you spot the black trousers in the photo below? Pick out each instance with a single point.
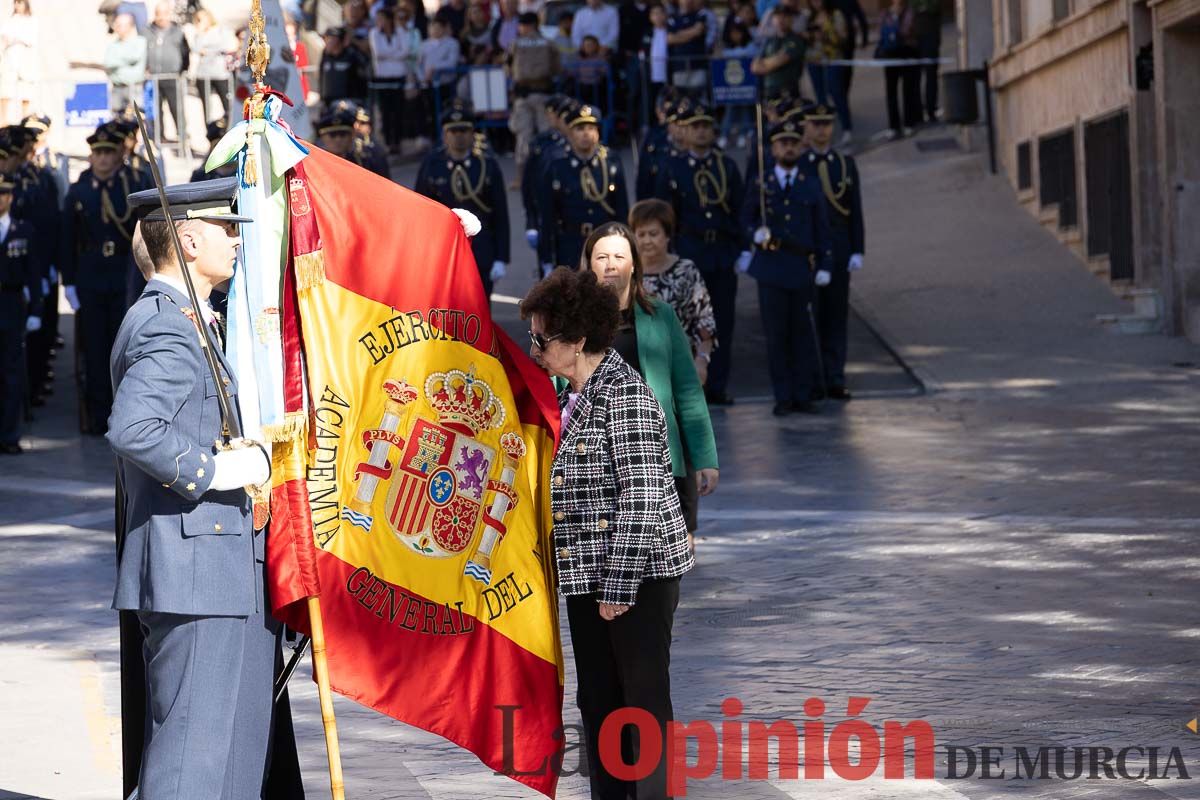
(389, 98)
(170, 91)
(903, 80)
(791, 350)
(100, 315)
(12, 365)
(833, 313)
(625, 663)
(722, 288)
(929, 45)
(208, 87)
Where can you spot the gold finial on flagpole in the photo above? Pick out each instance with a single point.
(258, 51)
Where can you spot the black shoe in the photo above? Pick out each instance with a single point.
(718, 398)
(782, 409)
(839, 393)
(806, 408)
(11, 449)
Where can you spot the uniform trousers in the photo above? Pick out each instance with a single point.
(833, 311)
(100, 315)
(625, 663)
(12, 364)
(791, 350)
(209, 685)
(722, 287)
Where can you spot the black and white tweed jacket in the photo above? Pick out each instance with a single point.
(616, 514)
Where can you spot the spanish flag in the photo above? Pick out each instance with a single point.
(417, 505)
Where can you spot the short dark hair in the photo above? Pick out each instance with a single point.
(653, 210)
(574, 305)
(157, 235)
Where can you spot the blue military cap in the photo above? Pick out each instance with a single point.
(584, 115)
(108, 136)
(817, 112)
(457, 117)
(695, 112)
(216, 129)
(787, 129)
(211, 200)
(335, 120)
(8, 183)
(39, 123)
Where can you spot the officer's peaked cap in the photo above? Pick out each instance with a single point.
(211, 200)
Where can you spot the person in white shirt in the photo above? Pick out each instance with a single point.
(394, 51)
(597, 19)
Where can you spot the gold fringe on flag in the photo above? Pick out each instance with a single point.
(294, 428)
(310, 269)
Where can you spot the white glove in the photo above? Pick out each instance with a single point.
(762, 236)
(531, 236)
(470, 222)
(235, 469)
(499, 270)
(547, 268)
(53, 275)
(855, 262)
(45, 288)
(823, 277)
(72, 297)
(743, 262)
(33, 324)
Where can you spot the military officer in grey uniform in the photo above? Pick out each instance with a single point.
(580, 190)
(192, 565)
(837, 175)
(792, 255)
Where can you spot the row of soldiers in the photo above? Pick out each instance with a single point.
(796, 228)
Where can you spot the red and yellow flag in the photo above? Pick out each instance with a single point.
(418, 508)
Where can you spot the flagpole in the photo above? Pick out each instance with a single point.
(258, 56)
(321, 668)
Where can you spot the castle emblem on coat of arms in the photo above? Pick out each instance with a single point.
(437, 474)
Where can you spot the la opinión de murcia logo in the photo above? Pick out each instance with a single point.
(852, 749)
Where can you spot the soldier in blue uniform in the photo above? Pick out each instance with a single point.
(705, 189)
(544, 148)
(335, 130)
(96, 263)
(126, 126)
(20, 314)
(778, 109)
(656, 143)
(191, 565)
(459, 175)
(792, 240)
(837, 176)
(581, 189)
(367, 152)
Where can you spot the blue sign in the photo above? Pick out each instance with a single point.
(88, 106)
(733, 84)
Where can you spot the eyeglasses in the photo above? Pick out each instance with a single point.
(540, 341)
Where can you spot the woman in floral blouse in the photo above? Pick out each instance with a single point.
(674, 280)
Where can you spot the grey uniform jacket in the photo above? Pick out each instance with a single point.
(617, 520)
(187, 550)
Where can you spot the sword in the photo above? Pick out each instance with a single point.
(297, 653)
(231, 426)
(762, 188)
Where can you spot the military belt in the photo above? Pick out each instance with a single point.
(709, 236)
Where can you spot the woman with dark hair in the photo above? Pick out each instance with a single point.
(619, 536)
(651, 339)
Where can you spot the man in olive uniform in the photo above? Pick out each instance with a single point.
(533, 64)
(837, 175)
(581, 189)
(96, 263)
(459, 175)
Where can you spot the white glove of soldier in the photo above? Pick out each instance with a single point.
(72, 297)
(743, 262)
(470, 222)
(762, 236)
(235, 469)
(531, 236)
(823, 277)
(855, 262)
(499, 270)
(547, 268)
(53, 275)
(33, 324)
(45, 288)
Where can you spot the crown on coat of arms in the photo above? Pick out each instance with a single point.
(399, 391)
(464, 402)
